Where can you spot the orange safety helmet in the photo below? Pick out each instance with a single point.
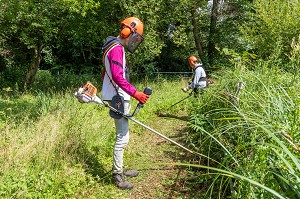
(130, 25)
(192, 59)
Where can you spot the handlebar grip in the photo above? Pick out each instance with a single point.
(148, 91)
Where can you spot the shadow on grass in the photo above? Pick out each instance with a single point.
(189, 182)
(94, 168)
(79, 153)
(168, 115)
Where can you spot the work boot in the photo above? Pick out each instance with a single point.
(131, 173)
(120, 181)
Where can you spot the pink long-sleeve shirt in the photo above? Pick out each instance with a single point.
(115, 65)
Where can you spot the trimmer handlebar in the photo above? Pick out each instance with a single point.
(147, 91)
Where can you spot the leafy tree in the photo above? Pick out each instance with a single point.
(273, 26)
(67, 35)
(31, 26)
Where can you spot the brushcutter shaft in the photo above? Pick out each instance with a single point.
(88, 94)
(161, 135)
(99, 101)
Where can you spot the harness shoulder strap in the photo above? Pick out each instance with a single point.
(106, 50)
(103, 62)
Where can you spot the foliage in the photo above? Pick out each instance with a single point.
(47, 82)
(259, 125)
(294, 57)
(71, 33)
(49, 149)
(65, 29)
(272, 28)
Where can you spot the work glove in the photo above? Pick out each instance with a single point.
(185, 89)
(141, 97)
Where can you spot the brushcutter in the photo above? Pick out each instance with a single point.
(88, 93)
(196, 92)
(190, 94)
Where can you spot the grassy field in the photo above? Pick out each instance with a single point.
(52, 146)
(245, 143)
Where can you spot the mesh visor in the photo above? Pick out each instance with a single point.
(134, 42)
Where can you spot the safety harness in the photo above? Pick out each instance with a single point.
(117, 102)
(201, 78)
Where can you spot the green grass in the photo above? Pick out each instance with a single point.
(52, 146)
(246, 138)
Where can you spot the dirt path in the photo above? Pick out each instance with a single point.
(158, 181)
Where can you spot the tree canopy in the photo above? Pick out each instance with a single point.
(67, 35)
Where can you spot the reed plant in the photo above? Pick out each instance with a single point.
(252, 133)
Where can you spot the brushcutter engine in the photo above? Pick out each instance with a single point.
(87, 93)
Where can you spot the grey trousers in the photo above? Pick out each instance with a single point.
(122, 139)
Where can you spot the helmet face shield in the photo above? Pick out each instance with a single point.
(134, 42)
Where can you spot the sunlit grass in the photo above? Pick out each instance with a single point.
(247, 136)
(53, 146)
(57, 150)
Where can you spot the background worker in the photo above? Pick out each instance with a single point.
(199, 76)
(116, 80)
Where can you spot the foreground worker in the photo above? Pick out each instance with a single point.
(199, 76)
(116, 86)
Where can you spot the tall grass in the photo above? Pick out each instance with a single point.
(51, 146)
(249, 135)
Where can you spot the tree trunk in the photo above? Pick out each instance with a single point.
(196, 33)
(212, 32)
(36, 60)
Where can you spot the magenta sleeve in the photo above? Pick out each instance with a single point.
(115, 57)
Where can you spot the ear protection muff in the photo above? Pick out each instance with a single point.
(131, 25)
(125, 32)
